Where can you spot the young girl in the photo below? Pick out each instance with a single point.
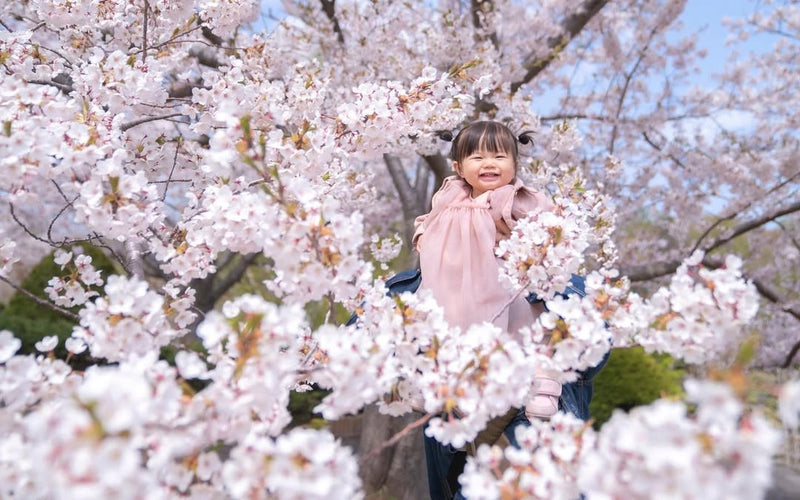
(470, 213)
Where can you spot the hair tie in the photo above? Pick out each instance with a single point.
(445, 135)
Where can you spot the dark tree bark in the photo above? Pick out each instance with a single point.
(398, 471)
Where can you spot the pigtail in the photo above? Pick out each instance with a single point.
(526, 137)
(445, 135)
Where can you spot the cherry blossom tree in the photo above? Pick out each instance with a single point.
(191, 148)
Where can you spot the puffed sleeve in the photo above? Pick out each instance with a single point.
(419, 228)
(451, 187)
(511, 203)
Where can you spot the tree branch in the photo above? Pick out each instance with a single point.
(126, 126)
(772, 295)
(211, 288)
(479, 9)
(653, 270)
(134, 258)
(733, 215)
(658, 269)
(172, 170)
(788, 235)
(396, 437)
(440, 167)
(408, 197)
(232, 276)
(571, 26)
(660, 149)
(144, 31)
(753, 224)
(329, 8)
(623, 94)
(792, 353)
(40, 300)
(60, 86)
(422, 181)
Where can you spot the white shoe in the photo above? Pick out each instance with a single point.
(545, 404)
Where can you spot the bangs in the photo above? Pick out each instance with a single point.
(486, 136)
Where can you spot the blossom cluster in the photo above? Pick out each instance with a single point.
(127, 320)
(574, 333)
(701, 315)
(72, 290)
(137, 429)
(542, 253)
(7, 256)
(403, 353)
(719, 450)
(544, 465)
(165, 129)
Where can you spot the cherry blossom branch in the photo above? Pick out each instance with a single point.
(211, 288)
(658, 269)
(422, 181)
(60, 212)
(25, 227)
(233, 275)
(571, 26)
(440, 167)
(134, 259)
(740, 209)
(397, 437)
(572, 116)
(781, 33)
(329, 8)
(174, 38)
(772, 295)
(754, 224)
(623, 93)
(791, 237)
(559, 117)
(408, 196)
(127, 126)
(660, 149)
(60, 86)
(93, 239)
(39, 300)
(792, 353)
(144, 31)
(172, 170)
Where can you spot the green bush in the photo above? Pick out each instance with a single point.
(301, 406)
(31, 321)
(632, 378)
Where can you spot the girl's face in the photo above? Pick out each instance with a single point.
(485, 171)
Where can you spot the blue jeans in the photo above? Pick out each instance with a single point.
(446, 463)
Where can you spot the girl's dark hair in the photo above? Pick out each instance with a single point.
(486, 136)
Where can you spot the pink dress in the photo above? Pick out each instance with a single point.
(456, 243)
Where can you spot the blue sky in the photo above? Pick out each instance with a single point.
(699, 15)
(706, 16)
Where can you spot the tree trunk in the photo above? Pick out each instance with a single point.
(398, 472)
